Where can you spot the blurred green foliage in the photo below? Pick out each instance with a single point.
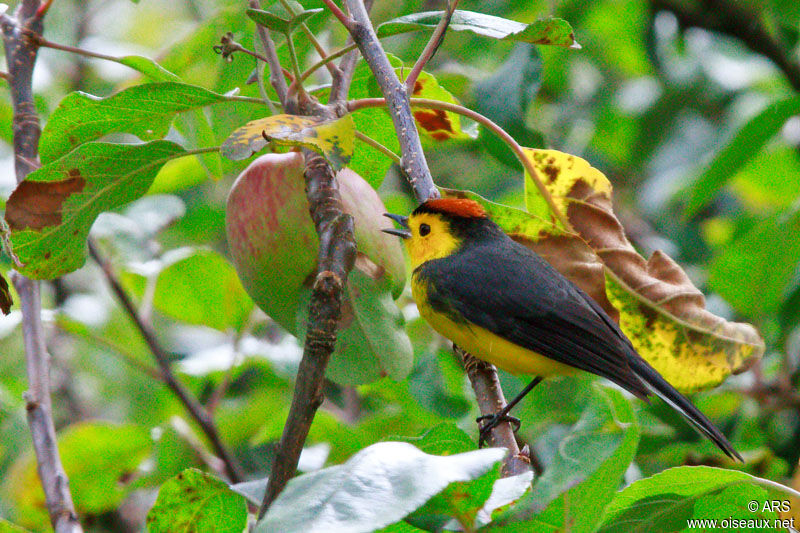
(676, 104)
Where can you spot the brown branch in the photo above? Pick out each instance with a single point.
(336, 256)
(413, 160)
(195, 409)
(339, 14)
(482, 376)
(337, 250)
(732, 19)
(489, 395)
(341, 84)
(430, 49)
(275, 70)
(21, 55)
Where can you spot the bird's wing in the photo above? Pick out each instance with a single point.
(512, 292)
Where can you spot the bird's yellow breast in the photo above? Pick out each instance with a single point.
(484, 344)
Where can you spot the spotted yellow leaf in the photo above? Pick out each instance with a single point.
(660, 309)
(334, 139)
(437, 124)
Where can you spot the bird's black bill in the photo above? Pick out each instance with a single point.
(403, 221)
(404, 233)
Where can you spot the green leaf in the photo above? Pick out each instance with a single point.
(196, 501)
(587, 469)
(461, 501)
(149, 68)
(5, 525)
(747, 143)
(373, 342)
(349, 497)
(434, 123)
(553, 31)
(665, 501)
(280, 24)
(97, 456)
(144, 110)
(444, 439)
(505, 97)
(51, 212)
(769, 254)
(374, 123)
(202, 288)
(334, 139)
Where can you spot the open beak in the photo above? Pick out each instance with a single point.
(403, 221)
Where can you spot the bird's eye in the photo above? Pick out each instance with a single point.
(424, 229)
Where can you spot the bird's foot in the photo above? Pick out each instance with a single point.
(487, 423)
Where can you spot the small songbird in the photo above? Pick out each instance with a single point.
(506, 305)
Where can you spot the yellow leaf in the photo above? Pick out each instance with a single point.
(334, 139)
(661, 311)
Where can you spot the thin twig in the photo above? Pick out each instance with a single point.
(21, 54)
(518, 150)
(333, 69)
(346, 21)
(197, 412)
(325, 61)
(275, 70)
(430, 49)
(115, 349)
(41, 41)
(5, 75)
(340, 85)
(378, 146)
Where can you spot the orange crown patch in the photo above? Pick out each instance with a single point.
(458, 207)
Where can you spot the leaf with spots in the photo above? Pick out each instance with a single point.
(50, 213)
(144, 110)
(434, 123)
(550, 31)
(196, 501)
(661, 311)
(334, 139)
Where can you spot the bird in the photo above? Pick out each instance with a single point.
(505, 304)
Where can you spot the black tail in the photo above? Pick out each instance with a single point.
(659, 386)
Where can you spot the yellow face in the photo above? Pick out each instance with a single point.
(431, 238)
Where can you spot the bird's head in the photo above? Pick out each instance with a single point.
(439, 227)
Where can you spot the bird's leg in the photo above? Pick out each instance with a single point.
(491, 421)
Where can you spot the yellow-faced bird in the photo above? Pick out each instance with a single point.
(506, 305)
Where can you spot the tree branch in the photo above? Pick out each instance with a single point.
(482, 376)
(195, 409)
(430, 49)
(337, 251)
(413, 159)
(275, 71)
(21, 57)
(341, 84)
(489, 395)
